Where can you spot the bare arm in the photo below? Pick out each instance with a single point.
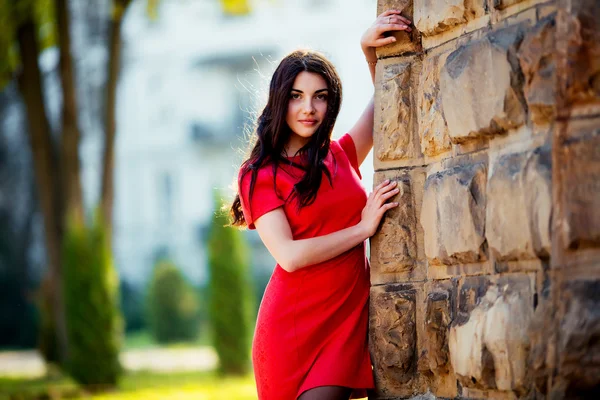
(391, 20)
(291, 255)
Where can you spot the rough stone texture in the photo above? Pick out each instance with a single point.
(395, 114)
(496, 293)
(578, 48)
(519, 204)
(453, 215)
(433, 130)
(394, 253)
(502, 4)
(393, 338)
(479, 94)
(580, 170)
(440, 310)
(539, 338)
(434, 16)
(490, 349)
(579, 339)
(406, 42)
(537, 60)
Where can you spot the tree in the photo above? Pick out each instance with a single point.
(56, 162)
(114, 58)
(95, 326)
(172, 305)
(230, 294)
(45, 161)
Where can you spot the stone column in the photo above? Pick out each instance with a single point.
(486, 279)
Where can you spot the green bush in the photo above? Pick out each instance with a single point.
(94, 324)
(132, 307)
(231, 295)
(172, 305)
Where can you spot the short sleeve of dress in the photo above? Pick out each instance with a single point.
(264, 197)
(347, 144)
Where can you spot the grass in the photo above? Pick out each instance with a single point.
(139, 385)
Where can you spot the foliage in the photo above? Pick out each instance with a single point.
(132, 307)
(172, 305)
(231, 295)
(11, 15)
(94, 325)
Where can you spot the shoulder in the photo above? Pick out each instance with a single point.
(263, 173)
(345, 145)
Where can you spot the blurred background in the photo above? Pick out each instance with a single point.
(122, 126)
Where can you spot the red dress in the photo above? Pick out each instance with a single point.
(312, 324)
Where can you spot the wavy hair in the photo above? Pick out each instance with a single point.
(273, 132)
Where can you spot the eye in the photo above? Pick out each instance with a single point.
(295, 96)
(322, 96)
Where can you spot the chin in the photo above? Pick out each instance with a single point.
(305, 133)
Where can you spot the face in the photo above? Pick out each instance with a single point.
(307, 107)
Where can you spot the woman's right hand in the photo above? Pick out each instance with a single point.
(377, 206)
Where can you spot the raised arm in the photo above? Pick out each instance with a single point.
(375, 36)
(291, 255)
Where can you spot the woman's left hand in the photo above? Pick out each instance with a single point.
(390, 20)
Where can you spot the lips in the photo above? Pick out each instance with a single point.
(308, 121)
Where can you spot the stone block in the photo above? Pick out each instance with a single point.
(440, 310)
(580, 191)
(519, 205)
(502, 4)
(541, 333)
(406, 42)
(433, 16)
(480, 91)
(395, 112)
(489, 348)
(393, 338)
(537, 59)
(578, 49)
(394, 250)
(579, 338)
(433, 130)
(453, 215)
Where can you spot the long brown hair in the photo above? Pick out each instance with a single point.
(273, 133)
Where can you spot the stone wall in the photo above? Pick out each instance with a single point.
(486, 278)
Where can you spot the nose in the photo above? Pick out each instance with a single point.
(308, 106)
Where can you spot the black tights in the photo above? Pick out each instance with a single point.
(327, 393)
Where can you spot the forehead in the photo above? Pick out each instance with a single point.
(309, 81)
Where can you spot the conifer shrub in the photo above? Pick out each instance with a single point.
(132, 307)
(172, 305)
(231, 300)
(94, 323)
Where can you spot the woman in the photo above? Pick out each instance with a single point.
(302, 192)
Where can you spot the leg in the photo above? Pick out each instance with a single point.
(327, 393)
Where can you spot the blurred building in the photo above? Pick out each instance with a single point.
(191, 80)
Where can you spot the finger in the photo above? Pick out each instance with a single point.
(381, 192)
(393, 27)
(398, 27)
(387, 187)
(387, 206)
(404, 19)
(397, 19)
(384, 41)
(389, 194)
(388, 13)
(382, 184)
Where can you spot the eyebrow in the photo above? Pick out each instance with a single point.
(318, 91)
